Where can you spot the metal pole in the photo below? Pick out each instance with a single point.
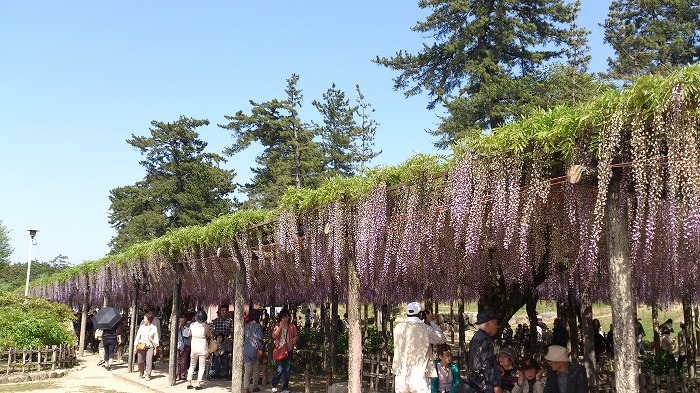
(29, 264)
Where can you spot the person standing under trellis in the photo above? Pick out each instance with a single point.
(223, 324)
(413, 354)
(252, 347)
(484, 373)
(200, 332)
(184, 342)
(285, 335)
(146, 346)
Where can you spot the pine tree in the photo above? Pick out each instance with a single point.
(290, 157)
(485, 60)
(651, 36)
(183, 185)
(337, 132)
(5, 247)
(362, 147)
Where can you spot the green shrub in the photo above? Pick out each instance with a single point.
(660, 363)
(29, 321)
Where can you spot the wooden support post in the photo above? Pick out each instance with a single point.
(105, 294)
(334, 331)
(238, 335)
(132, 325)
(587, 335)
(83, 323)
(655, 324)
(452, 321)
(307, 378)
(572, 315)
(462, 326)
(329, 378)
(621, 298)
(354, 331)
(174, 320)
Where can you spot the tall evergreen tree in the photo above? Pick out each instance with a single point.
(651, 36)
(364, 142)
(183, 185)
(290, 157)
(485, 59)
(5, 247)
(337, 132)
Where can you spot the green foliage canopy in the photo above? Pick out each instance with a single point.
(183, 185)
(290, 156)
(485, 59)
(652, 36)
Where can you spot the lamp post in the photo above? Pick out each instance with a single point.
(32, 233)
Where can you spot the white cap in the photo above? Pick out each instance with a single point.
(413, 308)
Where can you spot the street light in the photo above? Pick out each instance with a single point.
(32, 233)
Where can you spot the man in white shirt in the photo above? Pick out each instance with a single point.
(413, 354)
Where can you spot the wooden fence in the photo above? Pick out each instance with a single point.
(38, 359)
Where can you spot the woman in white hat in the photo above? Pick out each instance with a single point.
(565, 377)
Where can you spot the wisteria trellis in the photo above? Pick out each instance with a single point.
(500, 206)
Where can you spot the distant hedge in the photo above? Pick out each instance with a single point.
(30, 321)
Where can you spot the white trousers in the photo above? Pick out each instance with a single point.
(197, 359)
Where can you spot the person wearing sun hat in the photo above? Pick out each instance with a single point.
(484, 373)
(565, 377)
(413, 353)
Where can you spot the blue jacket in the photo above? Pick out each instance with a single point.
(434, 382)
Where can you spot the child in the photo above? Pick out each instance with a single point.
(448, 373)
(529, 377)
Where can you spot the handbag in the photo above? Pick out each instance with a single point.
(280, 353)
(213, 346)
(141, 346)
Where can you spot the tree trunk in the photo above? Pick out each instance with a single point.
(334, 334)
(531, 308)
(689, 336)
(587, 336)
(573, 316)
(462, 325)
(174, 320)
(83, 324)
(238, 335)
(621, 299)
(354, 332)
(105, 295)
(132, 326)
(655, 325)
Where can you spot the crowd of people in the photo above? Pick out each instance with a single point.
(418, 370)
(422, 361)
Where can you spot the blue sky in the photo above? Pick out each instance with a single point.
(78, 78)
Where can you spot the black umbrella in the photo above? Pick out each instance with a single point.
(106, 318)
